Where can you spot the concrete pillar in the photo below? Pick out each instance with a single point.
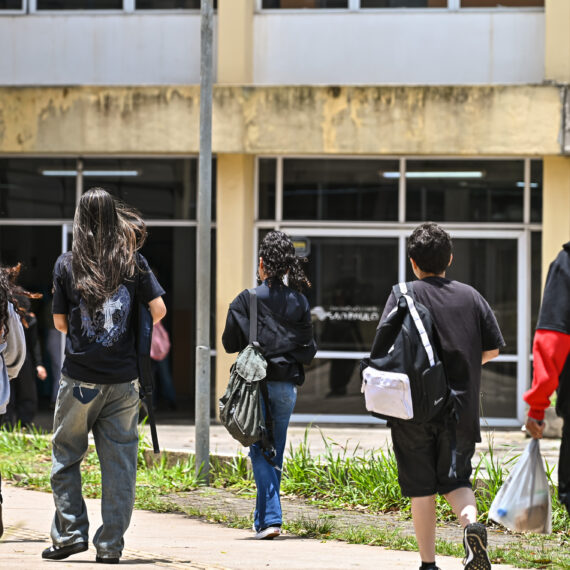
(235, 41)
(234, 245)
(557, 43)
(555, 208)
(235, 179)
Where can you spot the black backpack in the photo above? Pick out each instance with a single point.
(404, 377)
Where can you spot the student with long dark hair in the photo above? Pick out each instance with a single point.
(285, 335)
(97, 286)
(12, 344)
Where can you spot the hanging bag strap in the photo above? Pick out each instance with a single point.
(407, 293)
(253, 318)
(405, 290)
(143, 340)
(267, 440)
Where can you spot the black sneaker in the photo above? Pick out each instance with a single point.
(475, 543)
(61, 552)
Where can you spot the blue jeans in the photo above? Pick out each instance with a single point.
(282, 398)
(111, 412)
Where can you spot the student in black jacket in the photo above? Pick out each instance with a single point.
(285, 335)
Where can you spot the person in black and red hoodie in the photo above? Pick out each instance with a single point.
(551, 351)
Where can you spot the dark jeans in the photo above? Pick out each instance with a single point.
(564, 466)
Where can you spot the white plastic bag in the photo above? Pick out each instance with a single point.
(523, 502)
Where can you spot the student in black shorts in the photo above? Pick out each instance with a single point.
(469, 336)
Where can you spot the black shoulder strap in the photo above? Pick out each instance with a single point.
(253, 317)
(267, 438)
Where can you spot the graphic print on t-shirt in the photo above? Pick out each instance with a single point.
(110, 320)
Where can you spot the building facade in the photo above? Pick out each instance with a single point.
(342, 122)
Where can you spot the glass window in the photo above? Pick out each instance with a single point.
(37, 188)
(11, 5)
(170, 4)
(332, 386)
(159, 188)
(351, 280)
(266, 173)
(536, 191)
(403, 3)
(297, 4)
(340, 189)
(499, 390)
(79, 5)
(37, 248)
(489, 265)
(502, 3)
(171, 253)
(465, 190)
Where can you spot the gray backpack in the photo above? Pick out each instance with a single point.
(240, 407)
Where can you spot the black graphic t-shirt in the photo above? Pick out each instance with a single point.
(101, 349)
(466, 327)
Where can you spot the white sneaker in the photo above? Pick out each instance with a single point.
(268, 533)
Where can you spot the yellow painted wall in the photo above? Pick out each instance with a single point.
(235, 41)
(235, 180)
(557, 41)
(234, 245)
(556, 208)
(428, 120)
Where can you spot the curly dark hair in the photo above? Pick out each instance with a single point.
(279, 259)
(430, 247)
(106, 236)
(12, 293)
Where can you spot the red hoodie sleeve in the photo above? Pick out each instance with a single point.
(550, 350)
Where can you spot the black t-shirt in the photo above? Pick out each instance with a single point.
(101, 349)
(284, 330)
(466, 326)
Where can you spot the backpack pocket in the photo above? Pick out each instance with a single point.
(434, 384)
(387, 393)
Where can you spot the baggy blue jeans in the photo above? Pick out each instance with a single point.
(111, 412)
(282, 398)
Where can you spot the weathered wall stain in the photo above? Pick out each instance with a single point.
(431, 120)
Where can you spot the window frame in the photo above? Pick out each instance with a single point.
(520, 231)
(354, 6)
(129, 7)
(15, 12)
(33, 9)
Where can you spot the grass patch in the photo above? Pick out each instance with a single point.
(360, 480)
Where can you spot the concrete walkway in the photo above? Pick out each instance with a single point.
(177, 541)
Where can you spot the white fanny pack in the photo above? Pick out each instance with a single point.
(387, 393)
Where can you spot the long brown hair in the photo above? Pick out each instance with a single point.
(106, 236)
(9, 293)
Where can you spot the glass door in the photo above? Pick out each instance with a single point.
(351, 275)
(352, 272)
